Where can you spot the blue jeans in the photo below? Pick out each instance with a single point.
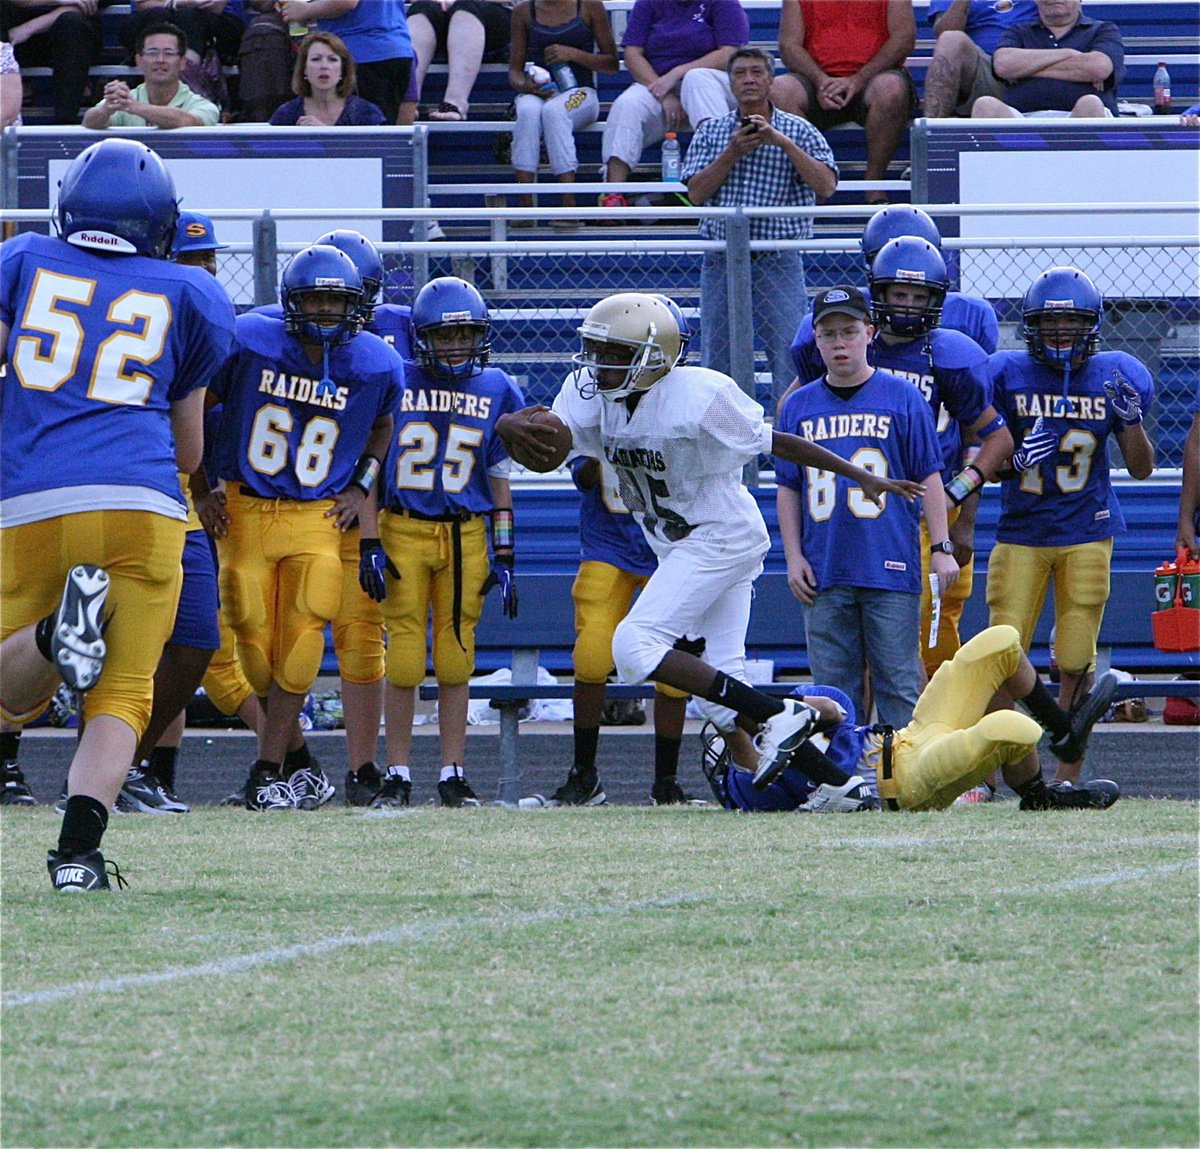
(849, 628)
(779, 302)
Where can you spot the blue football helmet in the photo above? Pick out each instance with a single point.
(118, 196)
(685, 332)
(366, 258)
(893, 222)
(915, 263)
(323, 271)
(446, 304)
(1062, 292)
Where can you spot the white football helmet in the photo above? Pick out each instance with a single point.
(632, 337)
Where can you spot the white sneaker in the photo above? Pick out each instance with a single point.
(981, 793)
(780, 738)
(853, 795)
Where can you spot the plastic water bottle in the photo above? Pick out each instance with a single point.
(564, 77)
(540, 77)
(1162, 91)
(671, 166)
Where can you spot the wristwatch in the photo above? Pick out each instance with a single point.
(945, 547)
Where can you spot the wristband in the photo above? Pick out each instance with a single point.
(963, 485)
(502, 529)
(366, 471)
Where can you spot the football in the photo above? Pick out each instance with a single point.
(561, 444)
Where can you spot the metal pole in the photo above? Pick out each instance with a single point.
(8, 162)
(740, 315)
(266, 255)
(420, 229)
(524, 673)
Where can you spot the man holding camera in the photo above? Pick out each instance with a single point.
(757, 156)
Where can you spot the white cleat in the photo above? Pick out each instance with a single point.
(77, 642)
(852, 795)
(780, 737)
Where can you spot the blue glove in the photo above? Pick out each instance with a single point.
(1124, 399)
(502, 576)
(1035, 448)
(373, 563)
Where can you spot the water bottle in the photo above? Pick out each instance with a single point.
(1162, 91)
(671, 166)
(564, 77)
(539, 76)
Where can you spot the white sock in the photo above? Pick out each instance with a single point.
(454, 770)
(398, 772)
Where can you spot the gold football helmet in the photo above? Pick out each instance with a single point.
(629, 342)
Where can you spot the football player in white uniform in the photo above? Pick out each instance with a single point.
(678, 438)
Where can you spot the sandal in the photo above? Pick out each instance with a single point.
(448, 113)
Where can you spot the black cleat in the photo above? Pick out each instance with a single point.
(456, 792)
(1083, 717)
(1098, 794)
(79, 873)
(668, 792)
(580, 789)
(396, 791)
(311, 787)
(266, 790)
(143, 793)
(362, 785)
(77, 641)
(15, 792)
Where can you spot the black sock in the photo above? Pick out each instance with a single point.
(666, 756)
(162, 764)
(41, 636)
(818, 766)
(262, 766)
(587, 739)
(295, 760)
(10, 744)
(1035, 785)
(726, 691)
(1046, 712)
(83, 825)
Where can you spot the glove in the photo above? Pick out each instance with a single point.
(1036, 447)
(373, 563)
(502, 576)
(1124, 399)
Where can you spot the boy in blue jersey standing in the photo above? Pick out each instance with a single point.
(1064, 401)
(308, 415)
(109, 349)
(855, 566)
(426, 550)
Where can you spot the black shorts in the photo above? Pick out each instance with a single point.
(854, 112)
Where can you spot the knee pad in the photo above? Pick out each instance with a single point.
(1010, 726)
(593, 654)
(241, 600)
(636, 652)
(360, 651)
(405, 662)
(302, 663)
(321, 587)
(999, 641)
(452, 665)
(132, 708)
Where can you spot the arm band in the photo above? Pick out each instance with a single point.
(994, 425)
(963, 485)
(366, 471)
(502, 529)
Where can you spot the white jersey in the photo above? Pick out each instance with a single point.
(679, 458)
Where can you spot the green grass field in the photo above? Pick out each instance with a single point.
(620, 976)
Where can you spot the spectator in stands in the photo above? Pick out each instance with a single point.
(324, 85)
(266, 57)
(757, 156)
(63, 35)
(857, 571)
(466, 31)
(11, 93)
(846, 61)
(575, 33)
(1062, 63)
(211, 26)
(678, 54)
(162, 100)
(1191, 117)
(1064, 400)
(967, 34)
(377, 36)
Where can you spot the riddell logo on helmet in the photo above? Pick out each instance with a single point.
(915, 276)
(103, 240)
(1068, 304)
(329, 281)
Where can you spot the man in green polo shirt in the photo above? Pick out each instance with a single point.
(162, 100)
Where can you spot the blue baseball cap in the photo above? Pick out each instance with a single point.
(195, 232)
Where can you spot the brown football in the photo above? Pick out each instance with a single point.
(562, 444)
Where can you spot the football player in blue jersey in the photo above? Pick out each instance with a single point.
(974, 317)
(908, 285)
(854, 566)
(308, 415)
(427, 549)
(954, 741)
(1064, 400)
(109, 349)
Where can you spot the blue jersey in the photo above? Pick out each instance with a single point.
(285, 435)
(392, 323)
(608, 533)
(445, 443)
(99, 347)
(952, 375)
(973, 317)
(1069, 498)
(884, 427)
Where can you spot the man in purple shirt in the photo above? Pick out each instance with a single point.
(677, 53)
(968, 32)
(1062, 63)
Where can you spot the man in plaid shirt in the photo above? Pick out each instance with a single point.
(757, 156)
